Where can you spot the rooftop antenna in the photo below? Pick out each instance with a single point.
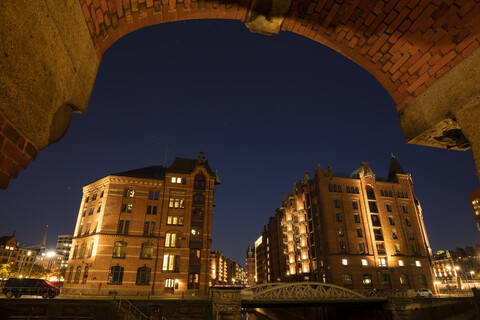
(165, 158)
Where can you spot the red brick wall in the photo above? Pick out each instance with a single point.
(406, 44)
(15, 152)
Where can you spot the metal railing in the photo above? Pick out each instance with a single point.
(130, 311)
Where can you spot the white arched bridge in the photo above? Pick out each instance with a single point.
(231, 300)
(301, 292)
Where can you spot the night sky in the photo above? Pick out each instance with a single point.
(263, 109)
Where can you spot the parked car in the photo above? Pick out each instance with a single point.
(424, 293)
(16, 287)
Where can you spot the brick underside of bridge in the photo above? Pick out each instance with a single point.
(424, 53)
(398, 309)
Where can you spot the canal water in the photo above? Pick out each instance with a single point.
(332, 312)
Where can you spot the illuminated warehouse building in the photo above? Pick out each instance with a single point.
(145, 231)
(354, 230)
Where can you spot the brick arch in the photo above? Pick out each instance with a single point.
(424, 53)
(405, 44)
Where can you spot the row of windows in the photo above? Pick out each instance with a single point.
(87, 229)
(179, 180)
(353, 190)
(386, 193)
(94, 197)
(367, 279)
(372, 206)
(382, 262)
(334, 188)
(83, 251)
(375, 219)
(92, 210)
(115, 276)
(380, 247)
(176, 203)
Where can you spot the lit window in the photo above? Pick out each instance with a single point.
(179, 180)
(403, 279)
(340, 232)
(382, 262)
(364, 262)
(174, 179)
(367, 279)
(171, 240)
(169, 283)
(169, 220)
(174, 220)
(170, 262)
(129, 208)
(417, 263)
(170, 203)
(345, 262)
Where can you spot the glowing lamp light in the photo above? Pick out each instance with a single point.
(51, 254)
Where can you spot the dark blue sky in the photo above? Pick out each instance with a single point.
(263, 109)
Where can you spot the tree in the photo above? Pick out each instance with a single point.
(8, 270)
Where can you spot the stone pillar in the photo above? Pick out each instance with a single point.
(48, 67)
(468, 120)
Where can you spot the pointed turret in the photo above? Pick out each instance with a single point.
(44, 240)
(395, 168)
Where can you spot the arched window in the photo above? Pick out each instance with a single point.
(370, 192)
(75, 251)
(193, 281)
(90, 250)
(70, 275)
(85, 275)
(143, 275)
(147, 250)
(172, 240)
(78, 272)
(115, 276)
(199, 182)
(83, 248)
(194, 255)
(119, 249)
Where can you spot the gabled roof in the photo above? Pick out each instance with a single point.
(395, 168)
(183, 165)
(152, 172)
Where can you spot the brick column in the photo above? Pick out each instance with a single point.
(468, 119)
(15, 152)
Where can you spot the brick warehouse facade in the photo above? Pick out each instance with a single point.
(424, 53)
(145, 231)
(358, 231)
